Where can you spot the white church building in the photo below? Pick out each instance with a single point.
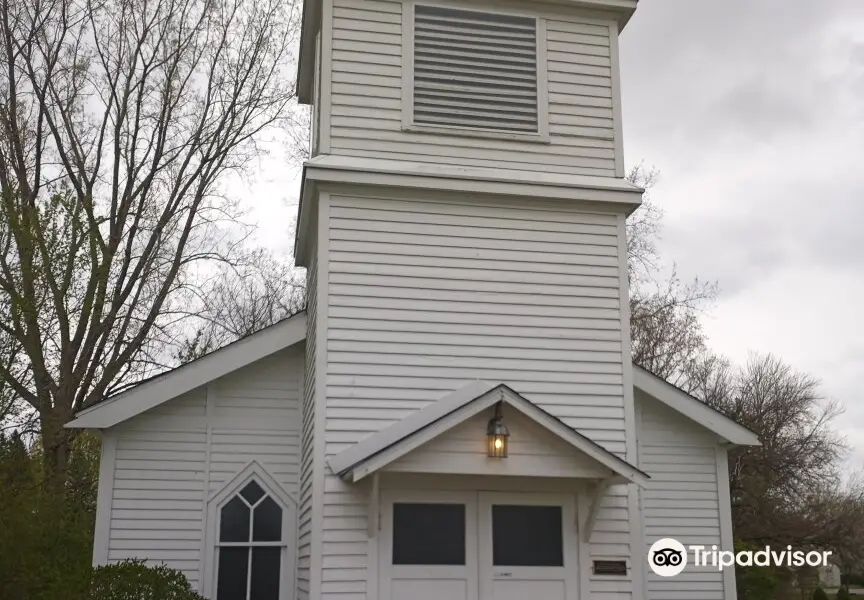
(455, 416)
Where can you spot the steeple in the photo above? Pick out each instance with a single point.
(461, 219)
(521, 86)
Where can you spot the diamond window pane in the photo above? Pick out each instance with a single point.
(234, 521)
(266, 565)
(428, 534)
(527, 536)
(233, 573)
(267, 523)
(252, 492)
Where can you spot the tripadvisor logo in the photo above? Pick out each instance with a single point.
(668, 557)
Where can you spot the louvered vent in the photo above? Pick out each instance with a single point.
(475, 69)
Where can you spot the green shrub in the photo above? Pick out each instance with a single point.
(819, 594)
(755, 583)
(843, 593)
(46, 540)
(133, 580)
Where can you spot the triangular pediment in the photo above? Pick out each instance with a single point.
(420, 442)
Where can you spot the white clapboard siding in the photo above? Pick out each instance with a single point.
(427, 295)
(419, 306)
(165, 468)
(682, 500)
(304, 517)
(366, 97)
(534, 452)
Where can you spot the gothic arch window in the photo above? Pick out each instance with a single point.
(252, 533)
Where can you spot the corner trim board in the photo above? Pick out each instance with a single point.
(725, 505)
(104, 499)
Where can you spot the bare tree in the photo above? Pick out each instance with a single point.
(665, 327)
(789, 490)
(119, 121)
(239, 303)
(643, 227)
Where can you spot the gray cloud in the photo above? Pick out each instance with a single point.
(754, 113)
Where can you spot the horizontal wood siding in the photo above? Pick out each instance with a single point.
(611, 540)
(160, 484)
(366, 98)
(682, 500)
(165, 469)
(425, 296)
(533, 452)
(304, 517)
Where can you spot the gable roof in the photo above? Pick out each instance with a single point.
(167, 386)
(391, 443)
(693, 408)
(152, 392)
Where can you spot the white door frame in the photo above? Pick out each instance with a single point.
(478, 570)
(387, 570)
(489, 572)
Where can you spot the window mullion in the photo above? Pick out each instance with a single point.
(249, 574)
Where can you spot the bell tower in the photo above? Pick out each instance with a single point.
(461, 218)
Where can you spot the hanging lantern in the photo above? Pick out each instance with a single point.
(497, 435)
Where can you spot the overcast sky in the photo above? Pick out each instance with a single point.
(753, 111)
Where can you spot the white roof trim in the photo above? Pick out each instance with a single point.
(331, 169)
(693, 408)
(327, 167)
(153, 392)
(382, 448)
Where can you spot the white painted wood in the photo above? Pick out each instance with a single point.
(534, 452)
(682, 500)
(583, 507)
(408, 582)
(596, 193)
(374, 505)
(368, 101)
(317, 580)
(617, 116)
(165, 468)
(104, 499)
(596, 501)
(420, 428)
(307, 445)
(634, 513)
(685, 404)
(725, 504)
(407, 74)
(636, 509)
(326, 106)
(397, 313)
(517, 583)
(315, 140)
(207, 536)
(288, 502)
(394, 227)
(172, 384)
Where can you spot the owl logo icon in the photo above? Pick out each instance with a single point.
(667, 557)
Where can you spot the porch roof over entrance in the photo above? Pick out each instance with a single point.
(391, 443)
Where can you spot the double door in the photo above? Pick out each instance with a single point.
(477, 546)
